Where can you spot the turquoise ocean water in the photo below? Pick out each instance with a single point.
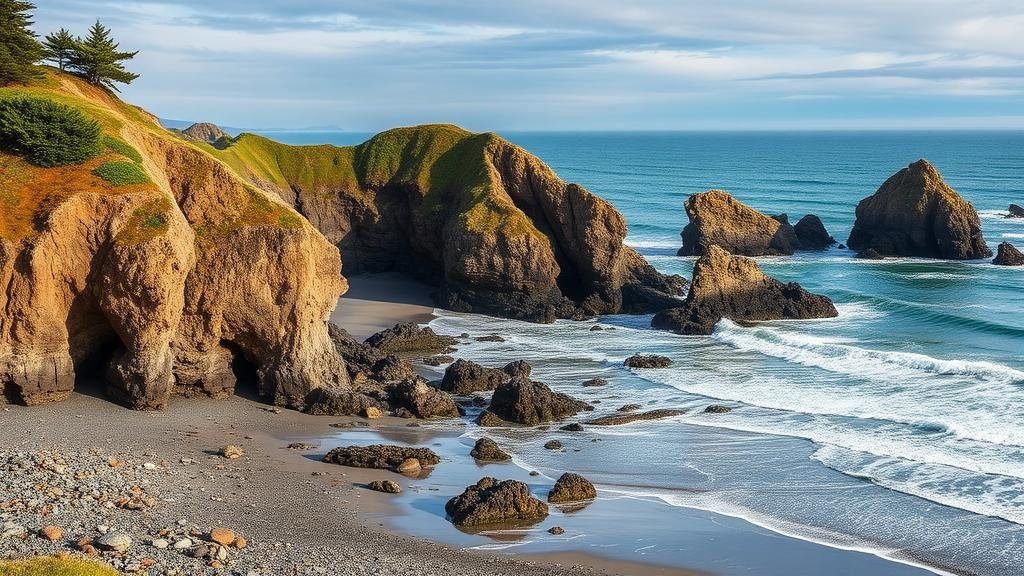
(897, 428)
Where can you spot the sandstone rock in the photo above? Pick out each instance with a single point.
(51, 533)
(595, 382)
(409, 466)
(373, 413)
(1008, 255)
(727, 286)
(1015, 211)
(628, 417)
(811, 234)
(716, 218)
(421, 400)
(915, 213)
(387, 486)
(380, 456)
(160, 543)
(464, 377)
(717, 409)
(490, 502)
(232, 452)
(340, 402)
(648, 361)
(571, 488)
(115, 541)
(523, 401)
(410, 337)
(205, 132)
(488, 450)
(552, 445)
(222, 536)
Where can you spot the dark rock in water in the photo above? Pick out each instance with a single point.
(438, 360)
(727, 286)
(630, 408)
(387, 486)
(571, 488)
(409, 337)
(716, 218)
(552, 445)
(365, 360)
(556, 530)
(915, 213)
(812, 234)
(841, 246)
(335, 402)
(518, 369)
(491, 338)
(487, 450)
(1008, 255)
(380, 456)
(717, 409)
(626, 418)
(869, 254)
(422, 400)
(595, 382)
(596, 328)
(464, 377)
(489, 502)
(488, 419)
(1016, 211)
(523, 401)
(648, 361)
(479, 401)
(574, 427)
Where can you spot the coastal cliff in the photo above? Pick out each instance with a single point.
(488, 223)
(154, 268)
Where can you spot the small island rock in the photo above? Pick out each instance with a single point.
(1008, 255)
(491, 502)
(571, 488)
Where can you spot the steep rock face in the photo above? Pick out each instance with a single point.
(493, 227)
(915, 213)
(1008, 255)
(727, 286)
(716, 218)
(166, 286)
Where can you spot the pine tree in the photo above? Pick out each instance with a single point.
(97, 59)
(19, 49)
(59, 47)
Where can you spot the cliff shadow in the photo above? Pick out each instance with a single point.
(92, 343)
(245, 372)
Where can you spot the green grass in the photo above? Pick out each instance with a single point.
(121, 147)
(54, 566)
(121, 173)
(147, 222)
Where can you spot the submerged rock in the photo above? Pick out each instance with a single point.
(380, 456)
(490, 502)
(410, 337)
(627, 417)
(915, 213)
(717, 409)
(648, 361)
(869, 254)
(464, 377)
(571, 488)
(553, 445)
(1008, 255)
(523, 401)
(1015, 211)
(727, 286)
(595, 382)
(811, 233)
(716, 218)
(488, 450)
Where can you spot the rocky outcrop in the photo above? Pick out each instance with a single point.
(647, 361)
(915, 213)
(464, 377)
(628, 417)
(490, 502)
(571, 488)
(1015, 211)
(343, 402)
(179, 285)
(1008, 255)
(421, 400)
(488, 450)
(727, 286)
(486, 222)
(205, 132)
(717, 218)
(410, 337)
(380, 456)
(365, 362)
(522, 401)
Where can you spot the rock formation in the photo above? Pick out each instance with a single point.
(204, 132)
(1015, 211)
(811, 233)
(422, 401)
(464, 377)
(915, 213)
(1008, 255)
(628, 417)
(522, 401)
(647, 361)
(489, 502)
(489, 224)
(409, 337)
(176, 285)
(380, 456)
(571, 488)
(488, 450)
(727, 286)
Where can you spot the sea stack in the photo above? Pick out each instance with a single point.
(915, 213)
(1015, 211)
(1008, 255)
(733, 287)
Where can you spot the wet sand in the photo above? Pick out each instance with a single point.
(378, 301)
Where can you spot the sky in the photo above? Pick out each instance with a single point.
(369, 65)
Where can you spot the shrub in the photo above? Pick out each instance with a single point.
(121, 147)
(53, 566)
(47, 133)
(121, 173)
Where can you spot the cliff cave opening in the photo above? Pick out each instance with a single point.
(92, 343)
(245, 371)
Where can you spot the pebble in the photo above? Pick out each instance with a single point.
(52, 533)
(222, 536)
(160, 544)
(150, 466)
(183, 544)
(409, 465)
(232, 452)
(114, 540)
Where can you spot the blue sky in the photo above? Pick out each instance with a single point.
(571, 65)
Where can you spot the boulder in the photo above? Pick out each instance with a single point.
(716, 218)
(574, 427)
(410, 337)
(553, 445)
(380, 456)
(629, 408)
(332, 402)
(571, 488)
(438, 359)
(1008, 255)
(915, 213)
(386, 486)
(628, 417)
(464, 377)
(717, 409)
(1015, 211)
(648, 361)
(727, 286)
(422, 400)
(811, 234)
(490, 502)
(523, 401)
(595, 382)
(488, 450)
(518, 369)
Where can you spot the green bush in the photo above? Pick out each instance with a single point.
(121, 173)
(121, 147)
(47, 133)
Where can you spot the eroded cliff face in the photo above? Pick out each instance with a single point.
(492, 226)
(160, 287)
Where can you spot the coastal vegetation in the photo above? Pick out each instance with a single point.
(47, 133)
(19, 49)
(54, 566)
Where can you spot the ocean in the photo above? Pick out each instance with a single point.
(896, 428)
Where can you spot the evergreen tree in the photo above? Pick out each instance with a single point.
(59, 47)
(19, 49)
(97, 59)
